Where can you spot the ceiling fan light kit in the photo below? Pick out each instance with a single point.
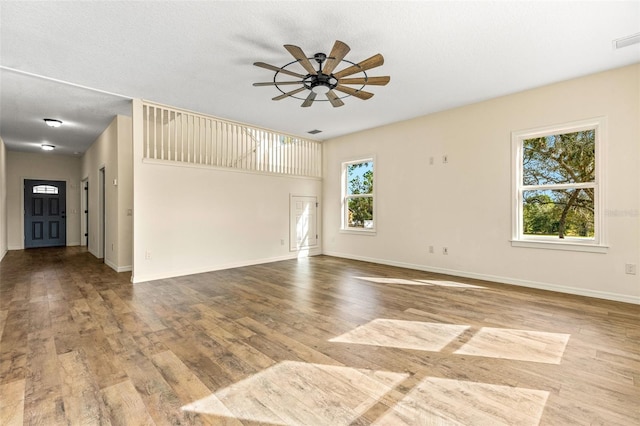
(323, 81)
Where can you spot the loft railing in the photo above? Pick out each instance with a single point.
(176, 135)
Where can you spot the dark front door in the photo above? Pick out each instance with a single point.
(45, 223)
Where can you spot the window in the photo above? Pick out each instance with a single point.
(557, 199)
(358, 195)
(45, 189)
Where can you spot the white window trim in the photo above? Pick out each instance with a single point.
(598, 244)
(344, 228)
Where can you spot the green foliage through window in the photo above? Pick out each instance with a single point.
(359, 194)
(558, 182)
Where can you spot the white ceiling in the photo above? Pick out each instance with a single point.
(199, 56)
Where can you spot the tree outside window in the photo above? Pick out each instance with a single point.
(564, 159)
(358, 198)
(557, 185)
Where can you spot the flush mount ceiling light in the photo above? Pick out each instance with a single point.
(323, 80)
(52, 122)
(47, 147)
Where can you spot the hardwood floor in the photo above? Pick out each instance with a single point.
(319, 341)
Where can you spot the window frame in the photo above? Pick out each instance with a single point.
(345, 196)
(597, 244)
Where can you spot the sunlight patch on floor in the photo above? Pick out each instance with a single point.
(404, 281)
(418, 335)
(384, 280)
(449, 284)
(437, 401)
(301, 393)
(519, 345)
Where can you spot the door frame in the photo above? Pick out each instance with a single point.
(293, 246)
(102, 210)
(21, 181)
(84, 212)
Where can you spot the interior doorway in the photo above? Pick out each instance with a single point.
(303, 231)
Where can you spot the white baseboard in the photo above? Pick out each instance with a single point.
(498, 279)
(2, 254)
(171, 274)
(117, 268)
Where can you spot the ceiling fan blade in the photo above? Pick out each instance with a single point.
(375, 81)
(333, 98)
(361, 94)
(297, 53)
(307, 102)
(279, 83)
(285, 95)
(338, 52)
(274, 68)
(372, 62)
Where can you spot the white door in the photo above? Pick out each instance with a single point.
(303, 223)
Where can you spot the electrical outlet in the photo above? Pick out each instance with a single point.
(630, 268)
(431, 249)
(445, 250)
(431, 161)
(147, 255)
(445, 159)
(281, 242)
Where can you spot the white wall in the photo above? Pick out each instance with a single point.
(189, 220)
(192, 220)
(3, 199)
(111, 151)
(465, 205)
(125, 194)
(22, 165)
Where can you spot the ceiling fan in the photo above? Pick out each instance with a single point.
(323, 80)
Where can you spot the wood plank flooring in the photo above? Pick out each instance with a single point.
(318, 341)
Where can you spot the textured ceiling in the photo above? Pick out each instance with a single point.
(199, 56)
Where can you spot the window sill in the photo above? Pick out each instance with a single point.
(567, 246)
(369, 232)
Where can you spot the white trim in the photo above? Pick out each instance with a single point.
(497, 279)
(359, 231)
(561, 245)
(172, 163)
(192, 271)
(68, 83)
(597, 244)
(117, 268)
(3, 254)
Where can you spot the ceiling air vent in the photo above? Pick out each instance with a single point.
(626, 41)
(314, 132)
